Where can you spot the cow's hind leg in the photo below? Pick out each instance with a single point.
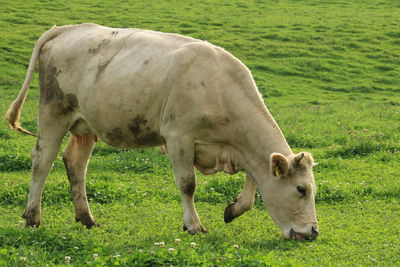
(181, 152)
(43, 155)
(243, 203)
(76, 157)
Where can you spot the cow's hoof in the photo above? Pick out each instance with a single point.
(228, 214)
(32, 223)
(31, 219)
(87, 220)
(193, 231)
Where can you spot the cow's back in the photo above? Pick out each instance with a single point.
(121, 79)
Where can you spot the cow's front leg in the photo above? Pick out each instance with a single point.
(76, 158)
(181, 152)
(187, 185)
(243, 202)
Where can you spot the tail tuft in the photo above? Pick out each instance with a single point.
(12, 118)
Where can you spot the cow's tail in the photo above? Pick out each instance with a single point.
(14, 111)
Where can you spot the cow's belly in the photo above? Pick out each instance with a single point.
(125, 121)
(123, 133)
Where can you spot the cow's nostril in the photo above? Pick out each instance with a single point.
(314, 230)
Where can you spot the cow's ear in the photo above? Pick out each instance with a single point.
(279, 165)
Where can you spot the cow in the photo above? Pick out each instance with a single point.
(134, 88)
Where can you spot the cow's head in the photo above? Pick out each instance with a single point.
(289, 195)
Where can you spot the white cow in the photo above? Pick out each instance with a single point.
(138, 88)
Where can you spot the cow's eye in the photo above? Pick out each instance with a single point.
(301, 190)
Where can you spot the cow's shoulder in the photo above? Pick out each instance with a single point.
(197, 54)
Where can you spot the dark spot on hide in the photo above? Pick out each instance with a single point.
(49, 87)
(203, 84)
(143, 135)
(69, 104)
(182, 152)
(114, 33)
(101, 68)
(104, 42)
(188, 185)
(172, 117)
(146, 61)
(37, 146)
(51, 93)
(136, 124)
(94, 51)
(115, 136)
(105, 59)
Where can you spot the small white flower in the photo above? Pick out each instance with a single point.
(76, 248)
(141, 250)
(236, 246)
(117, 256)
(152, 252)
(67, 259)
(177, 240)
(161, 244)
(23, 258)
(95, 255)
(170, 250)
(193, 245)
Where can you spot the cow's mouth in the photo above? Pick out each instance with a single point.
(298, 236)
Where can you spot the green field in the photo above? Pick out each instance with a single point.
(329, 73)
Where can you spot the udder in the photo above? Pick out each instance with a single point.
(212, 158)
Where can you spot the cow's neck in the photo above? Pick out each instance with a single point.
(261, 136)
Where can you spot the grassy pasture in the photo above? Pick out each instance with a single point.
(329, 72)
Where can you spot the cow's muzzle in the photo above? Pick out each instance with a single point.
(301, 237)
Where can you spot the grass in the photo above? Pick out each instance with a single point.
(329, 73)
